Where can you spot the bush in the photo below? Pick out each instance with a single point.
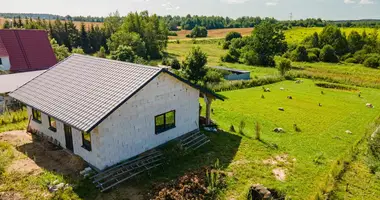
(351, 60)
(334, 86)
(226, 45)
(372, 61)
(165, 61)
(284, 65)
(198, 31)
(360, 56)
(123, 53)
(299, 54)
(232, 35)
(175, 64)
(316, 51)
(328, 54)
(172, 33)
(250, 58)
(213, 76)
(346, 56)
(312, 57)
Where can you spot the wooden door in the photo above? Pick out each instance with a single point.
(68, 137)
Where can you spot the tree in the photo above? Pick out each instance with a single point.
(231, 35)
(78, 51)
(283, 65)
(127, 39)
(267, 40)
(299, 54)
(328, 54)
(123, 53)
(312, 41)
(331, 35)
(355, 41)
(198, 31)
(194, 64)
(61, 52)
(85, 43)
(6, 25)
(113, 22)
(372, 61)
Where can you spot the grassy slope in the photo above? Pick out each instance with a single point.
(214, 33)
(323, 130)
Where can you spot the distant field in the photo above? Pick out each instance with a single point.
(297, 34)
(77, 24)
(214, 33)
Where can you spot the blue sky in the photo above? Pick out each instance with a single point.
(280, 9)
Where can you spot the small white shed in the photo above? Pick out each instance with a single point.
(108, 111)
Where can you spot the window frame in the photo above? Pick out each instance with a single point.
(85, 143)
(166, 126)
(52, 128)
(34, 117)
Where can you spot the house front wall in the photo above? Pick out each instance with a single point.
(130, 130)
(58, 136)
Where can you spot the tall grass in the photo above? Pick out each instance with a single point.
(13, 117)
(241, 84)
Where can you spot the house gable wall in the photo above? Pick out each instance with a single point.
(130, 130)
(6, 65)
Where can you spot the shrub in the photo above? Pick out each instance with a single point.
(226, 45)
(198, 31)
(374, 145)
(351, 60)
(360, 56)
(250, 58)
(284, 65)
(229, 58)
(232, 128)
(316, 51)
(123, 53)
(312, 57)
(372, 61)
(258, 131)
(346, 56)
(334, 86)
(175, 64)
(172, 33)
(213, 76)
(241, 126)
(328, 54)
(299, 54)
(165, 61)
(231, 35)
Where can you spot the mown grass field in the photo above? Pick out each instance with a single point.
(213, 33)
(322, 133)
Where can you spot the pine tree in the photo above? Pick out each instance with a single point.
(84, 39)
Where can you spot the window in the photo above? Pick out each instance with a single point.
(165, 122)
(86, 138)
(1, 62)
(52, 124)
(36, 115)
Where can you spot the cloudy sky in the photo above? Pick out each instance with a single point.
(280, 9)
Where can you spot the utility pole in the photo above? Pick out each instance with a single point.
(291, 16)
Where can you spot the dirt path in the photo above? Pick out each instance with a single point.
(33, 155)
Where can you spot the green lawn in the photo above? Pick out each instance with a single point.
(323, 133)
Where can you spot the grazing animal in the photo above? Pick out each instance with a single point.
(320, 105)
(348, 132)
(359, 94)
(290, 97)
(267, 90)
(281, 109)
(282, 88)
(322, 92)
(299, 81)
(262, 96)
(369, 105)
(278, 130)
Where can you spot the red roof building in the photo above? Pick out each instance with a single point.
(25, 50)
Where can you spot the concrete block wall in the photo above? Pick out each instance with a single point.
(130, 130)
(43, 127)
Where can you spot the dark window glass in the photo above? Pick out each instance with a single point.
(86, 137)
(36, 115)
(164, 122)
(52, 124)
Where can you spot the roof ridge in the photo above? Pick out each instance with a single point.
(116, 61)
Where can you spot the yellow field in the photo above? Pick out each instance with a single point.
(77, 24)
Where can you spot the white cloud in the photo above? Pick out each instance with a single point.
(234, 1)
(366, 2)
(349, 1)
(272, 2)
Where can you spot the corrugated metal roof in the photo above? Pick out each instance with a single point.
(27, 49)
(82, 90)
(10, 82)
(231, 69)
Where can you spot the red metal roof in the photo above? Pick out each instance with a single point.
(28, 50)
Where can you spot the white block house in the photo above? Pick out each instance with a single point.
(108, 111)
